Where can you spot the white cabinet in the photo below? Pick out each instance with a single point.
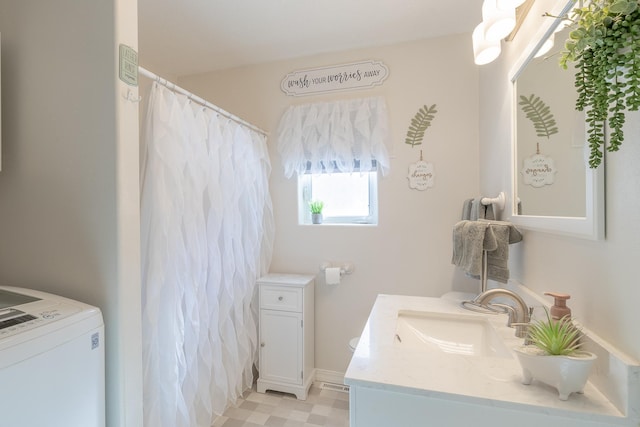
(286, 334)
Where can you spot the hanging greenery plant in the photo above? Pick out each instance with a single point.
(540, 115)
(419, 124)
(605, 46)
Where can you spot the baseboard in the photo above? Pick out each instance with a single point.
(326, 376)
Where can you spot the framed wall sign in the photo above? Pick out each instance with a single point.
(313, 81)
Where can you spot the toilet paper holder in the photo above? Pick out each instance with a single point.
(345, 267)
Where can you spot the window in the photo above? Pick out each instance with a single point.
(349, 198)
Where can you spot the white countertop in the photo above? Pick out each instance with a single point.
(379, 363)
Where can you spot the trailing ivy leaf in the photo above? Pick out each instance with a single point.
(623, 6)
(604, 46)
(419, 124)
(539, 114)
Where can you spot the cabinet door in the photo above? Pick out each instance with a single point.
(281, 346)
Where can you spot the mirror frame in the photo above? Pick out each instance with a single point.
(592, 225)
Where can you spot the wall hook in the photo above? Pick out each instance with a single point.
(131, 97)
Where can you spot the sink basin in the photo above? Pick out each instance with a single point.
(451, 333)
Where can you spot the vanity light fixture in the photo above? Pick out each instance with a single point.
(548, 44)
(546, 47)
(505, 4)
(498, 21)
(484, 51)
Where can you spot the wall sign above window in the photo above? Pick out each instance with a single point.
(357, 75)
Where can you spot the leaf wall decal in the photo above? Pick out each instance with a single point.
(419, 124)
(540, 115)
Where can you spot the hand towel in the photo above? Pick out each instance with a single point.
(514, 234)
(475, 209)
(470, 238)
(489, 214)
(505, 234)
(466, 209)
(458, 243)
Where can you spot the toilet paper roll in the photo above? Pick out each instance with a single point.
(332, 275)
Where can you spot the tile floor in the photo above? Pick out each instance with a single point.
(326, 408)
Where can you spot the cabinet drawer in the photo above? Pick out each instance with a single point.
(281, 298)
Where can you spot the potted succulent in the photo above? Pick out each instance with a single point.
(316, 207)
(604, 44)
(554, 357)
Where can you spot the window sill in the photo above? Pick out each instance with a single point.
(339, 224)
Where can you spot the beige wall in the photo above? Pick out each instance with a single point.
(602, 276)
(409, 252)
(69, 185)
(69, 190)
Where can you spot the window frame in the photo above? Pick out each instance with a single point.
(305, 191)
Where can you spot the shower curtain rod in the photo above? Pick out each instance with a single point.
(174, 87)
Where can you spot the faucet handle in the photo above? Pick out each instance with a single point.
(506, 308)
(522, 331)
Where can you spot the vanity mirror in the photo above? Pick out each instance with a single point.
(554, 190)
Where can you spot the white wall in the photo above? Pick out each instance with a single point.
(409, 252)
(69, 185)
(602, 276)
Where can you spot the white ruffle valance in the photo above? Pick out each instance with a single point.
(347, 136)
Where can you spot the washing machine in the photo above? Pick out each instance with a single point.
(51, 361)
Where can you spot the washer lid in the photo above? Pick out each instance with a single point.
(11, 299)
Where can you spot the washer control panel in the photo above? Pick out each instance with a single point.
(16, 320)
(12, 317)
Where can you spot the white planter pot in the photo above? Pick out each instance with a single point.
(568, 374)
(316, 218)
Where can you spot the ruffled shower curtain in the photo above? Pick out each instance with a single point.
(207, 235)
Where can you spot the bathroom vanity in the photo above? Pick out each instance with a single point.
(462, 371)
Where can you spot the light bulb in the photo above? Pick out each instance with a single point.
(484, 51)
(508, 4)
(498, 22)
(546, 47)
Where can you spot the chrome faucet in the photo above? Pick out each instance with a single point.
(519, 316)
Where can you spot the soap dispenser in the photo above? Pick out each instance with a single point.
(559, 308)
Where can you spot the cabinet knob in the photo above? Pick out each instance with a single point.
(280, 298)
(261, 344)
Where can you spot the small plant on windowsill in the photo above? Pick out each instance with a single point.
(555, 357)
(316, 207)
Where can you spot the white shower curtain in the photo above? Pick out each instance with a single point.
(207, 235)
